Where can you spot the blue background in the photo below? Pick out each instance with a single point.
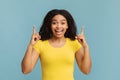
(101, 19)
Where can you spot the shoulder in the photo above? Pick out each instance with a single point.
(73, 41)
(41, 41)
(40, 45)
(74, 44)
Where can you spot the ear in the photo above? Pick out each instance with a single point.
(67, 27)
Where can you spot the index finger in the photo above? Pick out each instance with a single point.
(34, 29)
(82, 31)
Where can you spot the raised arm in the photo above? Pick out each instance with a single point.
(83, 55)
(31, 56)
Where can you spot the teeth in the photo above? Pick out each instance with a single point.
(58, 31)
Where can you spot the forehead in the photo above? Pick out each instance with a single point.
(58, 17)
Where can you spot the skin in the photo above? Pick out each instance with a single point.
(83, 55)
(59, 26)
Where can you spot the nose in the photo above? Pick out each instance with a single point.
(58, 25)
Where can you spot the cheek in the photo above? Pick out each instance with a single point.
(65, 30)
(66, 27)
(52, 27)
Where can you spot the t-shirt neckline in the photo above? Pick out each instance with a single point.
(57, 47)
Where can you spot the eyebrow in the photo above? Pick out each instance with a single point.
(60, 20)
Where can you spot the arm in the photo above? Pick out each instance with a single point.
(29, 60)
(83, 59)
(31, 56)
(83, 54)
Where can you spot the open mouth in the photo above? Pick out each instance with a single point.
(59, 31)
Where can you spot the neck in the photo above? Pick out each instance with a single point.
(58, 39)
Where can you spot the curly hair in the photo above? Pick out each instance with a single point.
(45, 30)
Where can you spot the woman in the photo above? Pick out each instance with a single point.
(57, 45)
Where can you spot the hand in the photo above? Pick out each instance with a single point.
(81, 38)
(35, 36)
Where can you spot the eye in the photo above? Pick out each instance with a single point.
(62, 23)
(54, 22)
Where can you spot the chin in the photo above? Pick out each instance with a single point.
(59, 36)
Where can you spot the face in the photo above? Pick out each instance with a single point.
(59, 26)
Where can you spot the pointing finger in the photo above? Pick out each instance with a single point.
(82, 31)
(34, 29)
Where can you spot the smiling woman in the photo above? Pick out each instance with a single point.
(59, 26)
(57, 45)
(46, 31)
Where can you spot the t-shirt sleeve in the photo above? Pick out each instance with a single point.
(37, 46)
(77, 45)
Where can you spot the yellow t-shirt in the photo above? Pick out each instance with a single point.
(57, 63)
